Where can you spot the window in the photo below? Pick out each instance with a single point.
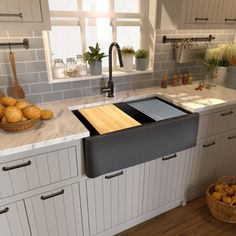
(78, 24)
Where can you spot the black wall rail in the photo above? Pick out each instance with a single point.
(179, 40)
(24, 44)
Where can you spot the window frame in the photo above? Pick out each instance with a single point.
(79, 20)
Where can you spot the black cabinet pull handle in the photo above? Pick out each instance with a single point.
(232, 137)
(208, 145)
(16, 166)
(201, 19)
(5, 210)
(227, 113)
(114, 175)
(169, 157)
(52, 195)
(229, 19)
(11, 14)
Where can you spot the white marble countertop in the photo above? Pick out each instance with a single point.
(66, 127)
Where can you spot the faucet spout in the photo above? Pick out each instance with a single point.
(110, 86)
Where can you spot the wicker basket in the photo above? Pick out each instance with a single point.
(19, 126)
(220, 210)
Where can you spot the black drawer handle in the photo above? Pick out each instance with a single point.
(169, 157)
(114, 175)
(232, 137)
(52, 195)
(11, 14)
(227, 113)
(201, 19)
(209, 145)
(16, 166)
(229, 19)
(4, 210)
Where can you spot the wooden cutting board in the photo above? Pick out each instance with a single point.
(108, 118)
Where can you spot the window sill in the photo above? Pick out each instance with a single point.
(104, 75)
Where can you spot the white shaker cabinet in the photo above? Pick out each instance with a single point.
(24, 15)
(13, 220)
(114, 198)
(56, 213)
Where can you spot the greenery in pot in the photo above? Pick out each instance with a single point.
(220, 55)
(94, 55)
(141, 53)
(128, 50)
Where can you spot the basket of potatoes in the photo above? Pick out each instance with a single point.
(221, 199)
(18, 115)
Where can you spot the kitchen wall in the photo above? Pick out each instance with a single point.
(164, 53)
(31, 67)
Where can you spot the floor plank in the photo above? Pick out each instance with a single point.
(191, 220)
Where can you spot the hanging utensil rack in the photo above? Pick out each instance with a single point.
(24, 43)
(194, 39)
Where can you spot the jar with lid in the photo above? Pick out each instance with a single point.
(164, 82)
(190, 78)
(59, 69)
(81, 66)
(70, 67)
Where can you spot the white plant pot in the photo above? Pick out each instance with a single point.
(230, 81)
(128, 62)
(222, 72)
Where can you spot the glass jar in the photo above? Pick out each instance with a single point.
(81, 66)
(70, 67)
(59, 69)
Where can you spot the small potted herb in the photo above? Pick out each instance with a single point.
(128, 57)
(94, 59)
(141, 59)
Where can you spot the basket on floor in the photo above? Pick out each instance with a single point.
(220, 210)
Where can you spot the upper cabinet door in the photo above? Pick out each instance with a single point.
(230, 13)
(197, 12)
(26, 14)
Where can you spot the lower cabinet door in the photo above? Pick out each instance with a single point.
(114, 198)
(164, 180)
(13, 220)
(56, 213)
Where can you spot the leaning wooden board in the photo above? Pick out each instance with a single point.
(108, 118)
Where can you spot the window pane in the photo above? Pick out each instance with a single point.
(96, 5)
(63, 5)
(128, 6)
(65, 41)
(101, 33)
(129, 36)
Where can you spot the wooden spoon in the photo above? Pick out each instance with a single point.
(17, 91)
(1, 94)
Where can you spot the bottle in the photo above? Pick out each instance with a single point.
(59, 69)
(175, 80)
(185, 79)
(190, 78)
(180, 80)
(164, 82)
(70, 67)
(81, 66)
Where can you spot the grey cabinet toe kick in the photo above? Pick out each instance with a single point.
(121, 149)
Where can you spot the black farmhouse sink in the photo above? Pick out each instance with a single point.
(165, 129)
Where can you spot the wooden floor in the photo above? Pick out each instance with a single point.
(191, 220)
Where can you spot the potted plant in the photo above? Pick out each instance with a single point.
(128, 57)
(94, 59)
(141, 59)
(217, 60)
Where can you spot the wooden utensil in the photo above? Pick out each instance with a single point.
(108, 118)
(1, 94)
(17, 91)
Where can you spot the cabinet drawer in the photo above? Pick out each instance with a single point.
(13, 220)
(56, 213)
(217, 123)
(36, 171)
